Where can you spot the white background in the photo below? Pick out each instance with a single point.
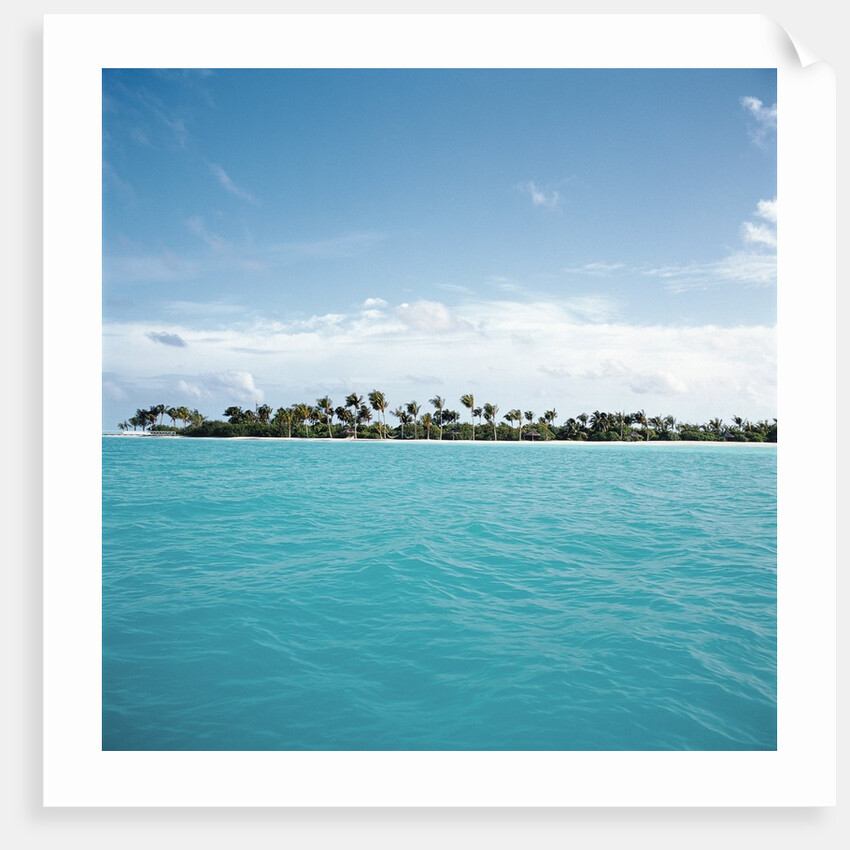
(817, 28)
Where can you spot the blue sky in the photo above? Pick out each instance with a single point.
(586, 239)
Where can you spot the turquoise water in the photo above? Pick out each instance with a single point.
(274, 595)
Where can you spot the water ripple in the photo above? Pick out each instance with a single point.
(298, 595)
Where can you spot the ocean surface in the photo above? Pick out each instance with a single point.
(309, 595)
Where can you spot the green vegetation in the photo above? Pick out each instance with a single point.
(354, 420)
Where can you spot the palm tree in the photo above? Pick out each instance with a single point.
(468, 401)
(345, 416)
(361, 416)
(713, 426)
(439, 403)
(599, 422)
(427, 422)
(325, 405)
(413, 409)
(741, 425)
(490, 411)
(147, 418)
(303, 412)
(403, 417)
(379, 403)
(476, 414)
(622, 419)
(263, 412)
(284, 416)
(515, 415)
(571, 429)
(640, 418)
(315, 415)
(549, 416)
(355, 402)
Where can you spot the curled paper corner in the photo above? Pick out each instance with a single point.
(793, 45)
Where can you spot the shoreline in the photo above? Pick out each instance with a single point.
(349, 440)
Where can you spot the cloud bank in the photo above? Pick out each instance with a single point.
(511, 352)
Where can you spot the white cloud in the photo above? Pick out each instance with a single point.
(328, 320)
(374, 303)
(748, 268)
(591, 308)
(765, 234)
(665, 381)
(239, 385)
(658, 383)
(540, 197)
(765, 115)
(767, 210)
(198, 228)
(228, 184)
(597, 269)
(762, 234)
(430, 317)
(508, 286)
(764, 118)
(454, 287)
(219, 389)
(193, 391)
(174, 122)
(759, 234)
(755, 266)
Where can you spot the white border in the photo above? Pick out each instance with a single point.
(76, 772)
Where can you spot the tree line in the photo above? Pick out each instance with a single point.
(362, 417)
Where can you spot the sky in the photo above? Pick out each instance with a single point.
(575, 240)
